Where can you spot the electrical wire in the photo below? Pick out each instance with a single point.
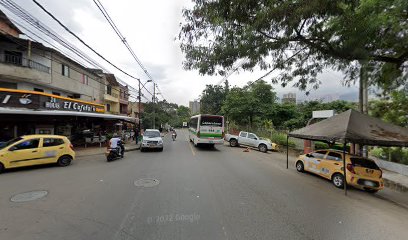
(123, 39)
(21, 13)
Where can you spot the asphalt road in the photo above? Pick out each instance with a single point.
(221, 193)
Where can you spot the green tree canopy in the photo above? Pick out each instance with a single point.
(245, 104)
(211, 99)
(300, 38)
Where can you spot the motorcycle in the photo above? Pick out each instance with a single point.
(173, 136)
(114, 153)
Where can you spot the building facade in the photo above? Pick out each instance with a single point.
(289, 98)
(43, 91)
(194, 107)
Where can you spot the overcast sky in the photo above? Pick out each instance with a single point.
(150, 27)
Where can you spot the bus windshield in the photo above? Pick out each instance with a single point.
(215, 121)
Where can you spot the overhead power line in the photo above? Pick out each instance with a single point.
(36, 24)
(84, 43)
(123, 39)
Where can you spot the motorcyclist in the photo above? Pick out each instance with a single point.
(174, 133)
(116, 143)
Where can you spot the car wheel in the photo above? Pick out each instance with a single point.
(338, 180)
(263, 148)
(142, 149)
(1, 167)
(64, 161)
(161, 150)
(371, 190)
(299, 166)
(233, 143)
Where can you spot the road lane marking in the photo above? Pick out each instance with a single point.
(192, 150)
(189, 143)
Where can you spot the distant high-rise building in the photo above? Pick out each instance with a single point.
(289, 98)
(194, 107)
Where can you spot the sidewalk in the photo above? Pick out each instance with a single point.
(96, 150)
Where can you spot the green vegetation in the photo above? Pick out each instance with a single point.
(302, 37)
(164, 112)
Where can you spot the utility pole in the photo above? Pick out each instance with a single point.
(154, 106)
(139, 108)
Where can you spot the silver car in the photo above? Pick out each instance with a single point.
(151, 140)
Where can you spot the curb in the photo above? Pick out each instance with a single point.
(102, 153)
(394, 185)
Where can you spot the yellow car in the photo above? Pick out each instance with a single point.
(362, 173)
(36, 149)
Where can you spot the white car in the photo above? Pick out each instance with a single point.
(251, 140)
(151, 140)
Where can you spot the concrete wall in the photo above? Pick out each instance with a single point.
(391, 166)
(89, 92)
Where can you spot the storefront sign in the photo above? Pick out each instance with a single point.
(42, 101)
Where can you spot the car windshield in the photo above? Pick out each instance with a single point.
(152, 134)
(8, 143)
(364, 162)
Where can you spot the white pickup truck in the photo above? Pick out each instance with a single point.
(251, 140)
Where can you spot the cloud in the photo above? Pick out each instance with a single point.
(150, 28)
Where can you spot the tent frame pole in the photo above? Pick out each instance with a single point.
(287, 151)
(344, 167)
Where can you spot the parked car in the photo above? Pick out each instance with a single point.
(36, 149)
(251, 140)
(151, 140)
(361, 173)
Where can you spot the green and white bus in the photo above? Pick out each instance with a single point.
(206, 129)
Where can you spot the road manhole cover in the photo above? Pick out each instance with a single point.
(28, 196)
(146, 182)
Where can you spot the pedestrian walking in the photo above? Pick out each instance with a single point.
(137, 135)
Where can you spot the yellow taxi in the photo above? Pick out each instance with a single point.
(34, 150)
(362, 173)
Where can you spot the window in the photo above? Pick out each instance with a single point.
(8, 143)
(85, 79)
(211, 121)
(152, 134)
(51, 142)
(193, 123)
(38, 90)
(364, 162)
(243, 134)
(334, 156)
(318, 154)
(70, 96)
(252, 136)
(64, 70)
(56, 93)
(13, 57)
(109, 90)
(108, 107)
(29, 144)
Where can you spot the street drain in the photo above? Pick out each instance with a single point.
(146, 182)
(28, 196)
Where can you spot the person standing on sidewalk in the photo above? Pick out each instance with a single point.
(137, 135)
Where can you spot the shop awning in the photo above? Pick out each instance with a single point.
(66, 113)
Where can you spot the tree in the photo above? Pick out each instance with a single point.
(183, 114)
(212, 99)
(254, 100)
(302, 37)
(393, 109)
